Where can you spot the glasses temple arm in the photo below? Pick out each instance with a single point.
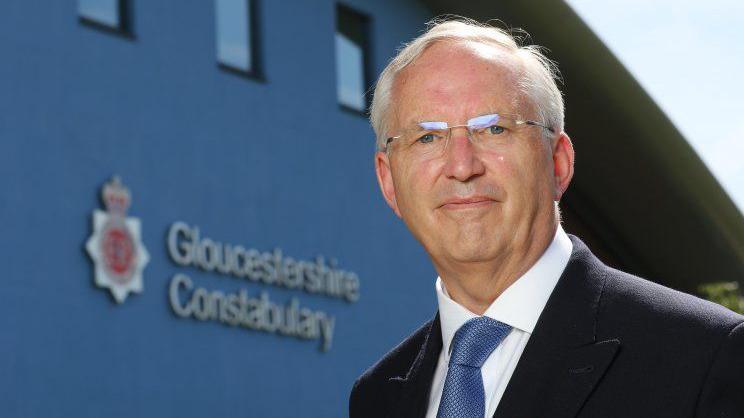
(533, 123)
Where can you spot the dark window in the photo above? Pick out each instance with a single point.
(105, 14)
(235, 35)
(352, 58)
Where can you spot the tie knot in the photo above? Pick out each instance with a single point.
(476, 339)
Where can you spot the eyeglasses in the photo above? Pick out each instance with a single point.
(429, 139)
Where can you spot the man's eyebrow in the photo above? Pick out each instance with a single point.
(485, 119)
(432, 125)
(416, 120)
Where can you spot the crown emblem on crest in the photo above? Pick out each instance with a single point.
(116, 247)
(116, 197)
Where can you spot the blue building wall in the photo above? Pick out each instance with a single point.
(265, 164)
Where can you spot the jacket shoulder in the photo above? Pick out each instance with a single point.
(638, 301)
(671, 336)
(368, 394)
(630, 301)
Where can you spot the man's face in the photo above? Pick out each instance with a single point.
(470, 204)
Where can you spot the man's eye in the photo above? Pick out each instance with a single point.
(495, 129)
(427, 138)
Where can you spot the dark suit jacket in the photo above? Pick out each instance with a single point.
(608, 344)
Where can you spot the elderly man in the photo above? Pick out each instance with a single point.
(473, 157)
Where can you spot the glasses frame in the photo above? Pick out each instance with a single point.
(470, 128)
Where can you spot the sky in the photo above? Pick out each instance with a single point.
(689, 56)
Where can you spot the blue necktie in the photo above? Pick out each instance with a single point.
(463, 395)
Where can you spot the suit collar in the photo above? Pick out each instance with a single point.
(408, 395)
(563, 359)
(571, 314)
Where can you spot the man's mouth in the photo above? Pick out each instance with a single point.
(467, 202)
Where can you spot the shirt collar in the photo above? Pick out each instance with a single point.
(521, 304)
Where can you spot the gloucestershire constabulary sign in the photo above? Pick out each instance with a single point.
(120, 257)
(116, 244)
(239, 309)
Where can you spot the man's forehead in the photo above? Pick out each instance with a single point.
(475, 78)
(465, 53)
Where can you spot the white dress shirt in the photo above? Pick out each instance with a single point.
(520, 305)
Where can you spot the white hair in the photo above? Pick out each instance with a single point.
(538, 81)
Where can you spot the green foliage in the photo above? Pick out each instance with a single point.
(724, 293)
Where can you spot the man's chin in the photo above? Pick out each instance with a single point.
(471, 254)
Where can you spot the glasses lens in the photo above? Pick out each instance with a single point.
(490, 130)
(429, 139)
(425, 143)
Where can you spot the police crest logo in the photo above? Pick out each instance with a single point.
(116, 246)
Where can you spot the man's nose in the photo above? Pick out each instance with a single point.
(461, 156)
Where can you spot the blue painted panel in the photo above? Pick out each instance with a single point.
(265, 164)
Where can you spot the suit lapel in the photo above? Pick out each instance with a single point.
(563, 360)
(408, 396)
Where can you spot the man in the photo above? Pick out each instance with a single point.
(473, 157)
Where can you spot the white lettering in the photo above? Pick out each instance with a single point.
(181, 258)
(187, 248)
(255, 313)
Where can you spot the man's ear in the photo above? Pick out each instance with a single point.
(385, 179)
(563, 164)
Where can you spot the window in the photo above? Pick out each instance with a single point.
(351, 58)
(105, 14)
(235, 36)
